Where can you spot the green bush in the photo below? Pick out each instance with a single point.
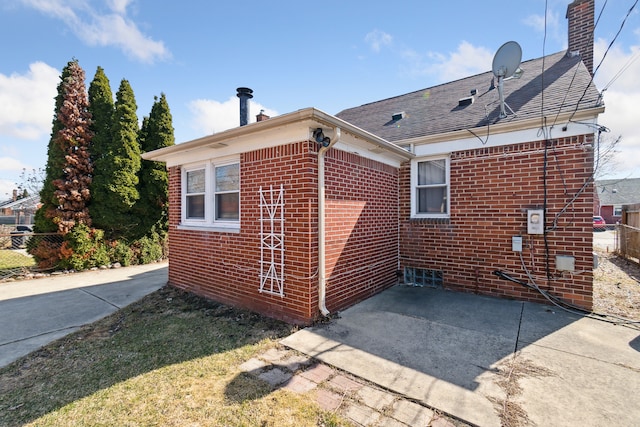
(148, 249)
(121, 252)
(84, 248)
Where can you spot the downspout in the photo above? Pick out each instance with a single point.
(322, 279)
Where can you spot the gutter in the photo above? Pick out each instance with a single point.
(322, 279)
(274, 124)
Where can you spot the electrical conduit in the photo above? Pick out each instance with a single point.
(322, 279)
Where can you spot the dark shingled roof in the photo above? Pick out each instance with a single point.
(435, 110)
(618, 191)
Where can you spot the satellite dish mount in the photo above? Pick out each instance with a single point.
(506, 63)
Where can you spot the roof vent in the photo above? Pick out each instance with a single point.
(615, 190)
(463, 102)
(398, 116)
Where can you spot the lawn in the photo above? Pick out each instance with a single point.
(10, 259)
(172, 359)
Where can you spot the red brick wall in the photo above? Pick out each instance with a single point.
(362, 234)
(225, 266)
(491, 190)
(362, 228)
(606, 212)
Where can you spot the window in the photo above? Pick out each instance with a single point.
(423, 277)
(211, 195)
(617, 211)
(195, 194)
(227, 192)
(430, 188)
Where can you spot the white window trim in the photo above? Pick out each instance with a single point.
(209, 222)
(414, 184)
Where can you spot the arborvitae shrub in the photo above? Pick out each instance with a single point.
(84, 248)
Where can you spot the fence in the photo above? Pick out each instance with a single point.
(15, 261)
(628, 245)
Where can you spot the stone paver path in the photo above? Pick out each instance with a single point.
(362, 403)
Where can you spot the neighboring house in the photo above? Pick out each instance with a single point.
(308, 213)
(19, 210)
(612, 194)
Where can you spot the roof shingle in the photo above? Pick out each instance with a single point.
(435, 110)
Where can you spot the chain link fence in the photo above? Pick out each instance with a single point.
(15, 260)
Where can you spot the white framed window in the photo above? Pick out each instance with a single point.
(211, 194)
(195, 186)
(617, 210)
(430, 187)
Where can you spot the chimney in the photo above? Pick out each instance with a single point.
(262, 116)
(580, 14)
(15, 195)
(245, 94)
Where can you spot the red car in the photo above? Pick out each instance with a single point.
(599, 224)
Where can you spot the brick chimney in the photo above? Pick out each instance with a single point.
(262, 116)
(580, 14)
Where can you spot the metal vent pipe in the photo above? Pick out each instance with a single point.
(245, 94)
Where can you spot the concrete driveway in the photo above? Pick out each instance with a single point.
(472, 356)
(36, 312)
(605, 240)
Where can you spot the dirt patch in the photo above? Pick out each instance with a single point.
(616, 286)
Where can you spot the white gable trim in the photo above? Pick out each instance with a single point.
(501, 139)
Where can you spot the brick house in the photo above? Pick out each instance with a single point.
(308, 213)
(612, 194)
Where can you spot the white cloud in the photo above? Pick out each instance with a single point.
(11, 164)
(555, 25)
(104, 29)
(618, 75)
(212, 116)
(6, 189)
(27, 102)
(119, 6)
(10, 168)
(378, 39)
(466, 61)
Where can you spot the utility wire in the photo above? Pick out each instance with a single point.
(575, 72)
(564, 305)
(622, 70)
(603, 57)
(544, 46)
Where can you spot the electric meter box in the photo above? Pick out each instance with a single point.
(535, 221)
(516, 243)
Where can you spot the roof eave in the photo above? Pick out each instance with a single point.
(503, 127)
(307, 114)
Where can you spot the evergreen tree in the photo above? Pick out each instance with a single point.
(65, 193)
(153, 206)
(120, 164)
(102, 110)
(72, 190)
(44, 217)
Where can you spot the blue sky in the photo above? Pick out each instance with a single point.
(330, 55)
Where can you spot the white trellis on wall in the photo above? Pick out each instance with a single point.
(272, 240)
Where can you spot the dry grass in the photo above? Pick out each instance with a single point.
(509, 375)
(171, 359)
(616, 286)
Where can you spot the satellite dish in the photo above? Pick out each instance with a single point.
(507, 60)
(505, 63)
